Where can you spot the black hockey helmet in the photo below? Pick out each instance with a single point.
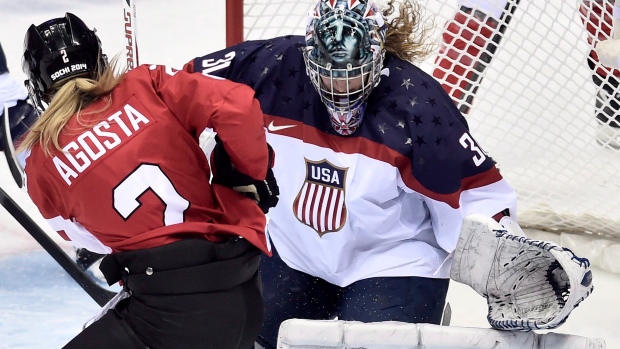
(59, 49)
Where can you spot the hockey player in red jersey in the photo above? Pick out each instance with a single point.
(471, 38)
(597, 18)
(114, 165)
(468, 45)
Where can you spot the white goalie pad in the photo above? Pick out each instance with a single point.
(333, 334)
(528, 284)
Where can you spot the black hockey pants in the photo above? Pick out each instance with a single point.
(189, 294)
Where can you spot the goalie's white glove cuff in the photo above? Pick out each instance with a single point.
(511, 226)
(528, 284)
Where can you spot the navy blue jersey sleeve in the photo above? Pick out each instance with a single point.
(410, 113)
(251, 62)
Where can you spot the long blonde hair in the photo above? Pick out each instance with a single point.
(408, 32)
(70, 98)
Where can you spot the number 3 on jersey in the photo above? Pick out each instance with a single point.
(146, 177)
(468, 143)
(211, 65)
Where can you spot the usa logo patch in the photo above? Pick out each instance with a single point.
(320, 203)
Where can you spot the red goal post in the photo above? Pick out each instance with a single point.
(234, 22)
(534, 108)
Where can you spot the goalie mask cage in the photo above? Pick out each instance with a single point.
(534, 109)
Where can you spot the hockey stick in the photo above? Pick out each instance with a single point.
(447, 315)
(7, 145)
(94, 290)
(131, 33)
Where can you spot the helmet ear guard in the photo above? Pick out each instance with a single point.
(344, 57)
(56, 50)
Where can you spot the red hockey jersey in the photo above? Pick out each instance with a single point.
(133, 176)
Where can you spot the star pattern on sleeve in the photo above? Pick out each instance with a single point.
(420, 141)
(417, 119)
(392, 106)
(411, 118)
(286, 99)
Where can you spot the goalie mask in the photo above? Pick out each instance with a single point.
(344, 57)
(56, 50)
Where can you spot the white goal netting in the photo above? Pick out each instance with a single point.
(534, 110)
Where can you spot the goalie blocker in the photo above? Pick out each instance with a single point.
(528, 284)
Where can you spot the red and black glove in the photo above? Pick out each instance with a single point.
(264, 192)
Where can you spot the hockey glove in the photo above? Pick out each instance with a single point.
(528, 284)
(264, 193)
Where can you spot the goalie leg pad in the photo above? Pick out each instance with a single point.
(330, 334)
(528, 284)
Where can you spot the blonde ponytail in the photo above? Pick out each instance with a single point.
(408, 31)
(69, 99)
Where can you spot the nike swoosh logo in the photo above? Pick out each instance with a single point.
(273, 127)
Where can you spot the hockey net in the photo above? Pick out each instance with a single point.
(535, 102)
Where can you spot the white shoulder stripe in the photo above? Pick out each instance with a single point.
(79, 236)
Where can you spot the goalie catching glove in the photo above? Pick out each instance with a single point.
(264, 193)
(528, 284)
